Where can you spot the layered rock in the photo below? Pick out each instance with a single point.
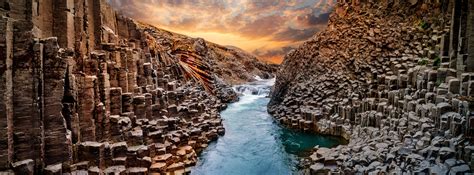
(85, 90)
(392, 77)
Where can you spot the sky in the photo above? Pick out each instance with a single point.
(266, 28)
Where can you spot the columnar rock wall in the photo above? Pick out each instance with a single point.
(6, 91)
(83, 89)
(392, 77)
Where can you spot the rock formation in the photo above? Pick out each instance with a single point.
(395, 78)
(86, 90)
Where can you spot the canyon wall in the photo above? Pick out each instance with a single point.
(84, 89)
(395, 78)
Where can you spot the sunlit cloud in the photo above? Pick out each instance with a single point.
(266, 28)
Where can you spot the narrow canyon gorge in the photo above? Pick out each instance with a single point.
(387, 87)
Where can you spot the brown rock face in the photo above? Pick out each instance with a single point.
(83, 89)
(361, 44)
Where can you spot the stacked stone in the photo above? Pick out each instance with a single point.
(84, 90)
(409, 130)
(408, 115)
(133, 115)
(115, 101)
(90, 100)
(123, 71)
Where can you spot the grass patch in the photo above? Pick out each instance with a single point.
(423, 62)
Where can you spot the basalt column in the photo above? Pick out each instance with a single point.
(63, 24)
(86, 107)
(103, 108)
(455, 29)
(470, 37)
(81, 25)
(6, 104)
(28, 100)
(55, 132)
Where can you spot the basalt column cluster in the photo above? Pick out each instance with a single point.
(83, 89)
(402, 94)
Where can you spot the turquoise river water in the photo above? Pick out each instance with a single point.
(254, 143)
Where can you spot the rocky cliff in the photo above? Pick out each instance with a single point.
(393, 77)
(85, 90)
(356, 47)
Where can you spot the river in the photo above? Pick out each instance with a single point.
(254, 143)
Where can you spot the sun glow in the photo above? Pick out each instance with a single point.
(267, 29)
(229, 39)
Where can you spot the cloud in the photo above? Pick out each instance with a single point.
(291, 34)
(274, 24)
(263, 26)
(311, 19)
(273, 55)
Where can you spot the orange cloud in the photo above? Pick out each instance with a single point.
(263, 27)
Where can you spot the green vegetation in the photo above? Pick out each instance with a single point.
(437, 62)
(438, 82)
(423, 62)
(424, 25)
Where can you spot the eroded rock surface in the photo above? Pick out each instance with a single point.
(86, 90)
(394, 78)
